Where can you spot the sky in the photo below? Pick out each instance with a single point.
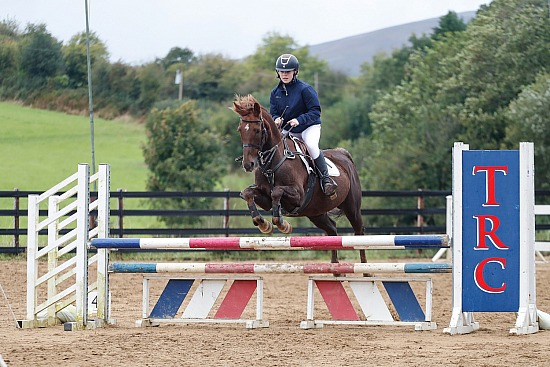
(139, 31)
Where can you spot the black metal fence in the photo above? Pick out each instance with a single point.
(403, 212)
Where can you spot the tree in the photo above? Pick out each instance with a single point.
(458, 89)
(212, 77)
(9, 29)
(449, 23)
(40, 55)
(508, 47)
(377, 79)
(116, 88)
(347, 119)
(380, 77)
(411, 125)
(182, 155)
(150, 79)
(529, 120)
(75, 56)
(9, 55)
(178, 55)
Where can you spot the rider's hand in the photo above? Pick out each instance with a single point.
(294, 123)
(278, 121)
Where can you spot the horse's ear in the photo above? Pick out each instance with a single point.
(236, 108)
(257, 109)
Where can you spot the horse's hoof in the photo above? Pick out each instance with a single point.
(286, 227)
(266, 227)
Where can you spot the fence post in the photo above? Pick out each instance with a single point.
(16, 204)
(226, 210)
(120, 214)
(420, 207)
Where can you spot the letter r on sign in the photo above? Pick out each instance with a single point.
(484, 233)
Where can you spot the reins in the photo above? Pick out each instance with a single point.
(266, 157)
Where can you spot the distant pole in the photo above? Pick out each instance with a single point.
(88, 57)
(180, 94)
(179, 80)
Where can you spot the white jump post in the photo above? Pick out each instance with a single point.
(493, 237)
(66, 253)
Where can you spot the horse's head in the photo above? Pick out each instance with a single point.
(253, 129)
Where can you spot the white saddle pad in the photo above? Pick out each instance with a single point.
(332, 169)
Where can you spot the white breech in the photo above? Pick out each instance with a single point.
(311, 137)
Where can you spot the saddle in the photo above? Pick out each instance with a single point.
(303, 153)
(305, 157)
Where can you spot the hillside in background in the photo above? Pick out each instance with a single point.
(41, 148)
(348, 54)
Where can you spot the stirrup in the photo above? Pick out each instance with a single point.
(332, 186)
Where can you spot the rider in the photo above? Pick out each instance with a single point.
(295, 105)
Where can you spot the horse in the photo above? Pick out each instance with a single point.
(282, 182)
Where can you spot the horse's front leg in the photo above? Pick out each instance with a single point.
(276, 196)
(249, 195)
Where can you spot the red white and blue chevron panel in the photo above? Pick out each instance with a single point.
(370, 301)
(204, 300)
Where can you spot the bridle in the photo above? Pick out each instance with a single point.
(266, 157)
(263, 138)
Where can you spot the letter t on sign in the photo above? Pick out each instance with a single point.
(490, 189)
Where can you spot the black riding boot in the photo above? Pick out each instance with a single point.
(327, 183)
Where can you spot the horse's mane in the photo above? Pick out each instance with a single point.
(242, 105)
(245, 102)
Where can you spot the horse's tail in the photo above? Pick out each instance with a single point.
(352, 170)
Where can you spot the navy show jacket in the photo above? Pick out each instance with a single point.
(301, 102)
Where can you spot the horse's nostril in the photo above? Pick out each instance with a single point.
(248, 166)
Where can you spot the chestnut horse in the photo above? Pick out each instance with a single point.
(282, 182)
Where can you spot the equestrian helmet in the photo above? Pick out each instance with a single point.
(287, 62)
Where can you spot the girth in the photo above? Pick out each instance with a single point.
(266, 161)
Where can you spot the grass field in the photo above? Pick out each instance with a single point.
(40, 148)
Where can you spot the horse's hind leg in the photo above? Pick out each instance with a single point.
(352, 210)
(328, 225)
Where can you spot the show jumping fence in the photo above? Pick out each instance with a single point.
(410, 212)
(403, 212)
(520, 298)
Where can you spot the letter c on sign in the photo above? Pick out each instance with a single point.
(480, 280)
